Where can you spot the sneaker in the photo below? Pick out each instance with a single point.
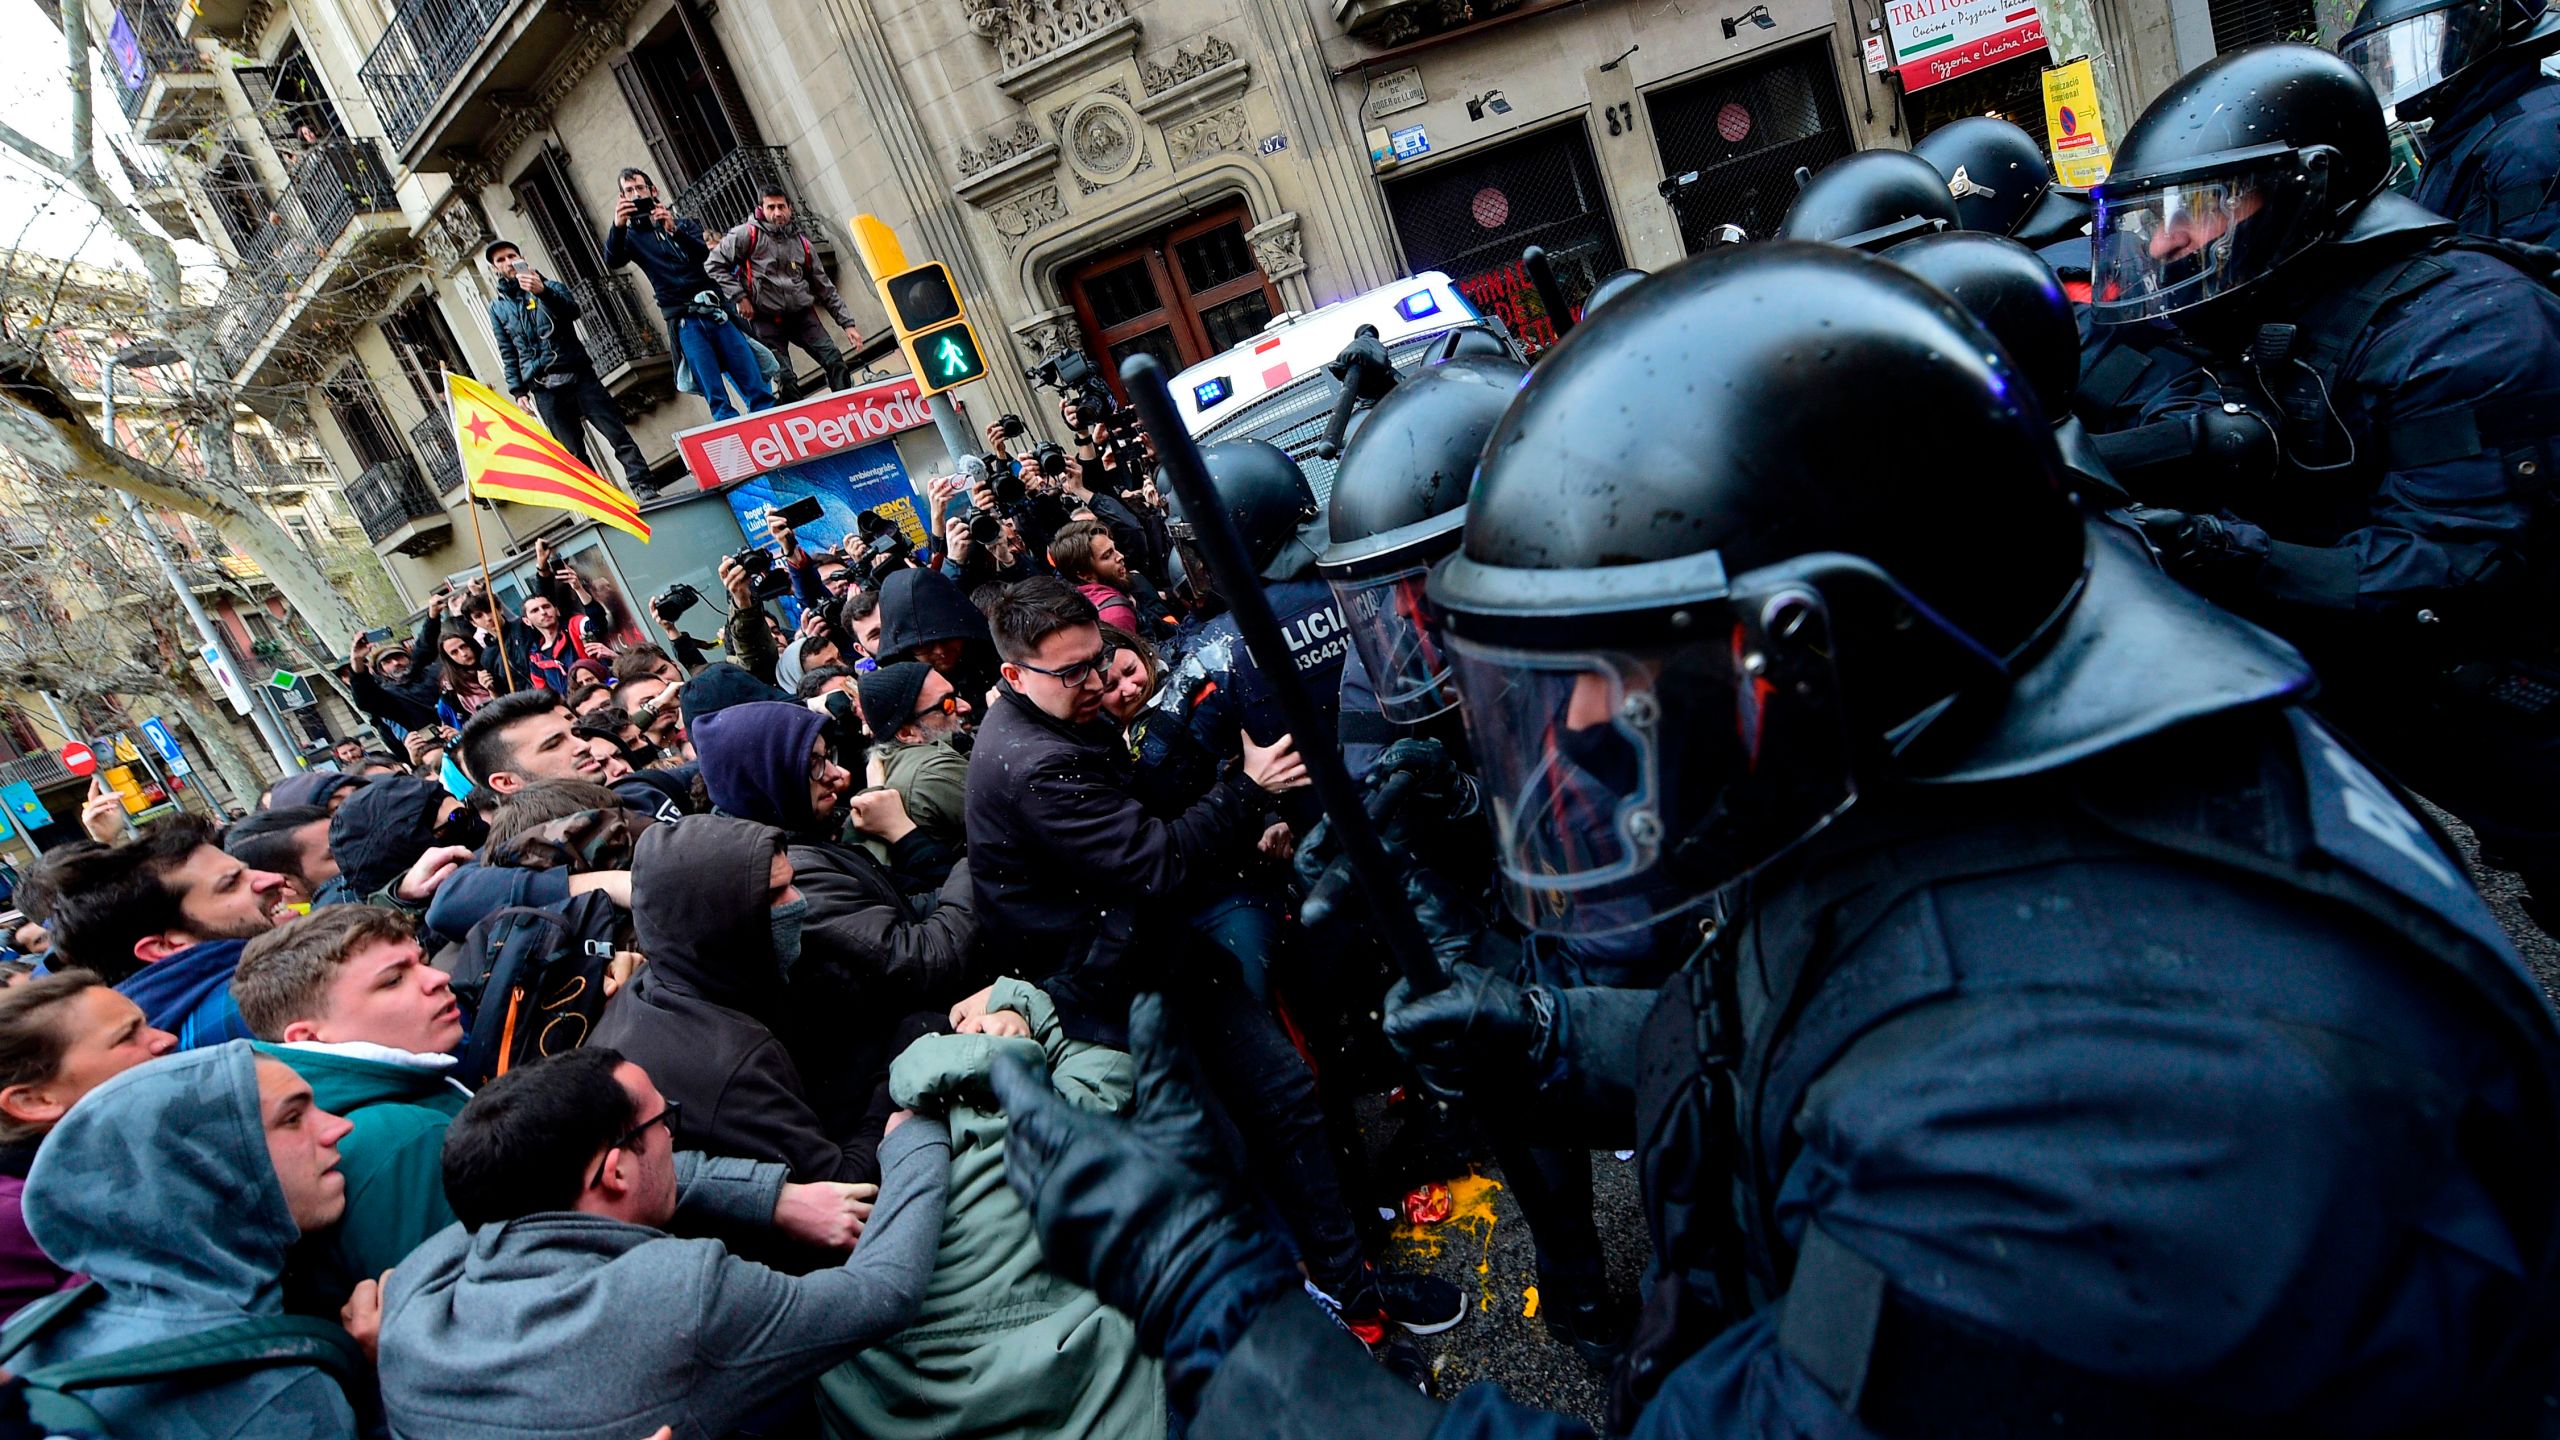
(1370, 1325)
(1584, 1315)
(1405, 1363)
(1422, 1304)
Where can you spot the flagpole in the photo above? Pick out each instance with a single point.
(471, 503)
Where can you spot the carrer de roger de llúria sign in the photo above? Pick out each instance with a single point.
(1935, 41)
(767, 440)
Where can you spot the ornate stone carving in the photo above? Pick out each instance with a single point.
(456, 235)
(1025, 215)
(1216, 131)
(1021, 140)
(1187, 65)
(1101, 137)
(597, 32)
(1025, 30)
(1049, 332)
(1393, 22)
(1275, 245)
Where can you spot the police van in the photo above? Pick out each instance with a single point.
(1275, 387)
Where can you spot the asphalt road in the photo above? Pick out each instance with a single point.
(1484, 1248)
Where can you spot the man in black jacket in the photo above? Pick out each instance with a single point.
(670, 252)
(534, 320)
(1071, 874)
(395, 686)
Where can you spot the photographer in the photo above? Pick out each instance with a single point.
(395, 686)
(547, 368)
(981, 547)
(671, 253)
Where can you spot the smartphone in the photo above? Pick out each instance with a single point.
(378, 635)
(807, 510)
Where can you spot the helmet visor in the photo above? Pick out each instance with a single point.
(2414, 54)
(1628, 786)
(2170, 246)
(1399, 644)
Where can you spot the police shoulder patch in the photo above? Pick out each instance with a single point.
(2357, 822)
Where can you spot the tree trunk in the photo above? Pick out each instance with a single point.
(214, 738)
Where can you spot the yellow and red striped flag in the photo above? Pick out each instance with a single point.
(506, 455)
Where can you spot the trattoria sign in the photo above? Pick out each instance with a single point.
(1935, 41)
(787, 435)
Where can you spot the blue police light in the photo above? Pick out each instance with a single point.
(1210, 392)
(1418, 304)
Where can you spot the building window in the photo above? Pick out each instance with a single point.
(358, 411)
(288, 100)
(1182, 294)
(1472, 216)
(2238, 24)
(425, 347)
(686, 101)
(2012, 90)
(1744, 131)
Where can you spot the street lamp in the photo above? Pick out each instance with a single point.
(148, 357)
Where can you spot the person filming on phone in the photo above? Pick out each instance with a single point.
(548, 370)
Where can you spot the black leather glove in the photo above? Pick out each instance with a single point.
(1479, 1027)
(1411, 787)
(2198, 544)
(1142, 1210)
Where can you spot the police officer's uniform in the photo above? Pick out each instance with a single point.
(2473, 69)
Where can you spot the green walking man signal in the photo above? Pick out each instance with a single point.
(933, 327)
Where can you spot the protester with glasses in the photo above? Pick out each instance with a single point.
(920, 724)
(560, 1303)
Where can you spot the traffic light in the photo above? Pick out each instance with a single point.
(933, 327)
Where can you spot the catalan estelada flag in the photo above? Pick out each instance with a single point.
(506, 455)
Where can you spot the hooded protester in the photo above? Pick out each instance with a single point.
(719, 685)
(1002, 1346)
(924, 616)
(327, 789)
(867, 959)
(178, 1187)
(387, 825)
(719, 917)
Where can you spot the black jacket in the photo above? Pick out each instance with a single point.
(407, 704)
(672, 259)
(537, 335)
(699, 1017)
(920, 607)
(1068, 865)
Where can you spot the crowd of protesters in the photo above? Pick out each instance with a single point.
(821, 881)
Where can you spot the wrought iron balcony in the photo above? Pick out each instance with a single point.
(621, 332)
(432, 438)
(727, 194)
(331, 184)
(426, 45)
(159, 53)
(43, 770)
(389, 495)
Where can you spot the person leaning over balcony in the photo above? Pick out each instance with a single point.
(671, 253)
(548, 368)
(768, 270)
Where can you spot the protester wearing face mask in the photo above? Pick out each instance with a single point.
(720, 919)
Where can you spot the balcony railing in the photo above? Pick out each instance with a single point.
(727, 194)
(432, 438)
(164, 52)
(43, 770)
(389, 495)
(426, 45)
(332, 183)
(614, 323)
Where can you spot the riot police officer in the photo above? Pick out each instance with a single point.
(2093, 1047)
(2415, 381)
(1871, 200)
(2473, 67)
(1997, 175)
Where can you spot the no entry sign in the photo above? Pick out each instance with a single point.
(77, 759)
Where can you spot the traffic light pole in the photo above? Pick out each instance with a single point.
(955, 433)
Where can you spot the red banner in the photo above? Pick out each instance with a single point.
(729, 450)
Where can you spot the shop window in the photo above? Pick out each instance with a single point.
(1744, 131)
(1471, 217)
(2012, 90)
(2238, 24)
(1182, 294)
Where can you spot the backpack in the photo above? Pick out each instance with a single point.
(747, 262)
(226, 1351)
(533, 979)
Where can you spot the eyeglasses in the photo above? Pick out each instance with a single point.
(1074, 676)
(950, 704)
(631, 1137)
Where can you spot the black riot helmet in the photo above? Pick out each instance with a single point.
(1268, 497)
(1871, 200)
(1997, 176)
(2243, 165)
(2416, 53)
(1610, 287)
(2012, 294)
(1398, 502)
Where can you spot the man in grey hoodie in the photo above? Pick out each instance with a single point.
(179, 1186)
(560, 1306)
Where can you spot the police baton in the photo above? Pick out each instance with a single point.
(1215, 531)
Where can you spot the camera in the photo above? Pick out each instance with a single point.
(880, 536)
(1010, 427)
(1066, 370)
(770, 580)
(1009, 489)
(1051, 458)
(672, 602)
(985, 529)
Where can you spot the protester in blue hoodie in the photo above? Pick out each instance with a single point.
(179, 1187)
(162, 917)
